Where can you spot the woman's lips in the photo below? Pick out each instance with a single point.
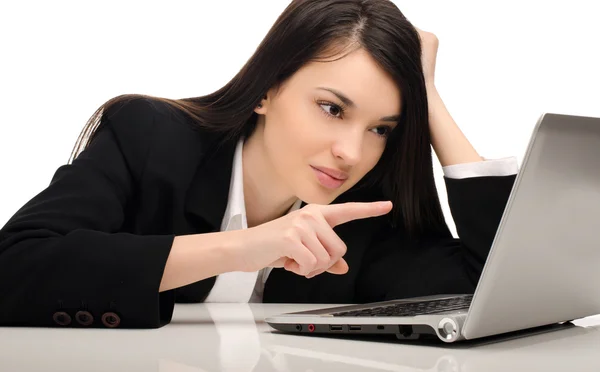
(326, 180)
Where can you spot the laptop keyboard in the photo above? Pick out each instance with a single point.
(413, 308)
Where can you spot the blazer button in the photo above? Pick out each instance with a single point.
(111, 320)
(61, 318)
(84, 318)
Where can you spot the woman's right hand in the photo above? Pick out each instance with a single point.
(302, 241)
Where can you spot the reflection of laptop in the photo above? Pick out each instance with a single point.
(543, 267)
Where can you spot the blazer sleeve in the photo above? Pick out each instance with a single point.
(396, 267)
(64, 251)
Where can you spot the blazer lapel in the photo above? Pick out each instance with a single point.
(209, 190)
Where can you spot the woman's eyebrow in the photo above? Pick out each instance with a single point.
(348, 102)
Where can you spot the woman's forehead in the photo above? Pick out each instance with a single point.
(357, 75)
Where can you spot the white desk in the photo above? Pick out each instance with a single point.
(228, 337)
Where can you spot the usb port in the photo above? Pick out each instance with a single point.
(354, 328)
(335, 327)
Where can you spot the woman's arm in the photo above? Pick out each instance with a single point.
(63, 250)
(448, 141)
(450, 144)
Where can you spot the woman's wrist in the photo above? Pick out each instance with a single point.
(196, 257)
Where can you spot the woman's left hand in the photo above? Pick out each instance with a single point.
(429, 46)
(450, 144)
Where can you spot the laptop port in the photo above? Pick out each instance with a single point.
(335, 327)
(380, 327)
(354, 328)
(405, 330)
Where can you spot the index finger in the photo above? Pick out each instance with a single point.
(337, 214)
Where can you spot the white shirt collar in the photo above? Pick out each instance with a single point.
(239, 286)
(235, 213)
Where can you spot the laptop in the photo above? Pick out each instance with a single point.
(543, 267)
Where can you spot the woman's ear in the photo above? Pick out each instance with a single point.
(261, 107)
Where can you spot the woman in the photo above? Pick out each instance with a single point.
(275, 188)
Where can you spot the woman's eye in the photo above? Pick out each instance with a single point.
(332, 109)
(383, 131)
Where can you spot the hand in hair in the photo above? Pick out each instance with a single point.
(429, 46)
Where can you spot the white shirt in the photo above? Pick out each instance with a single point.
(244, 287)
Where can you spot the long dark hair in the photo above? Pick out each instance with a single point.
(316, 30)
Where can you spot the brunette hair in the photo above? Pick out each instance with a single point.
(317, 30)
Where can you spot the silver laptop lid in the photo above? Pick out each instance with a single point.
(544, 266)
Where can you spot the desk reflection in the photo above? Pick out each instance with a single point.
(234, 337)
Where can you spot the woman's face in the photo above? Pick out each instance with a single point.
(307, 126)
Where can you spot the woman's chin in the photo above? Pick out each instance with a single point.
(317, 195)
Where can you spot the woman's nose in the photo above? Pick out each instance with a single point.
(348, 147)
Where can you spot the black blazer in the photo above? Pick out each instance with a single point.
(96, 240)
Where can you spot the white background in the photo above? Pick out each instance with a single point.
(500, 66)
